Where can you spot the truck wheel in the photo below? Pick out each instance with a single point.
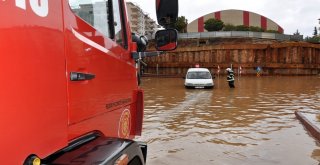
(32, 160)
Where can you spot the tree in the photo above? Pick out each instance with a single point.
(313, 39)
(315, 32)
(213, 25)
(255, 29)
(181, 24)
(296, 33)
(272, 31)
(229, 27)
(242, 28)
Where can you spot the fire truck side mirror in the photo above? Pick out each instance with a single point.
(141, 41)
(166, 39)
(167, 12)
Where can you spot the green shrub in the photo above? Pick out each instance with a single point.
(213, 25)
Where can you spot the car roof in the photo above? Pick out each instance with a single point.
(198, 69)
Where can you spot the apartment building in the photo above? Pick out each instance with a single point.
(140, 22)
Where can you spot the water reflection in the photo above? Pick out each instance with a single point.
(251, 124)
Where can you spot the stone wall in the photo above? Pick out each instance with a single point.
(296, 58)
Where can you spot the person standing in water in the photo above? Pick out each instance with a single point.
(230, 77)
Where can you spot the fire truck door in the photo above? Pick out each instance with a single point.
(98, 67)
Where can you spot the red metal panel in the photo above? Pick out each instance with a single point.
(263, 23)
(201, 24)
(246, 19)
(139, 112)
(33, 101)
(280, 29)
(217, 15)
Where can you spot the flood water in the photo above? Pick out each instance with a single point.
(253, 124)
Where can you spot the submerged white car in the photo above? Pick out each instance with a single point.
(198, 78)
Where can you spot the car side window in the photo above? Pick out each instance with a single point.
(118, 27)
(94, 12)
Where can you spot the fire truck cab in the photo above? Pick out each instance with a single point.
(69, 92)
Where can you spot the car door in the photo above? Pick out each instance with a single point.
(101, 74)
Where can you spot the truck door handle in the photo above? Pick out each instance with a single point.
(78, 76)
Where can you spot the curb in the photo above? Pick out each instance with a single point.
(311, 128)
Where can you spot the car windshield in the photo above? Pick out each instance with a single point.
(198, 75)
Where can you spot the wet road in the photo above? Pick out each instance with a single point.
(253, 124)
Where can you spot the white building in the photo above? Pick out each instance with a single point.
(140, 22)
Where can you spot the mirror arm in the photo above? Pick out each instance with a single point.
(139, 55)
(143, 63)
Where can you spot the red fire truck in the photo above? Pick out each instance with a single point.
(69, 92)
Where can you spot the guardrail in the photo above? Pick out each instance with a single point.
(241, 34)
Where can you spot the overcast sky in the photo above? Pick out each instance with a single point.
(289, 14)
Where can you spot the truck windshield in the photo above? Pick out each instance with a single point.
(198, 75)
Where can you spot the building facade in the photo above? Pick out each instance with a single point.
(235, 17)
(140, 22)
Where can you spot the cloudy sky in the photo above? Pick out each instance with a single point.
(290, 14)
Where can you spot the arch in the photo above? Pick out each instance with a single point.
(235, 17)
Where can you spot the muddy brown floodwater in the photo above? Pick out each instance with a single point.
(253, 124)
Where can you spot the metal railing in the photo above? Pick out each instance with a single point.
(241, 34)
